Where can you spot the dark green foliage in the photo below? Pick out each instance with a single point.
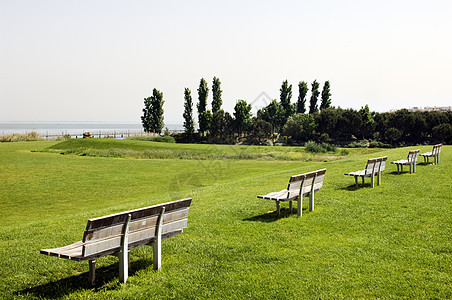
(205, 121)
(300, 127)
(242, 116)
(326, 101)
(152, 118)
(367, 120)
(162, 139)
(314, 147)
(203, 92)
(274, 114)
(314, 97)
(285, 96)
(189, 123)
(216, 91)
(302, 92)
(261, 129)
(218, 124)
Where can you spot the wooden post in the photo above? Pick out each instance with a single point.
(92, 272)
(157, 245)
(124, 253)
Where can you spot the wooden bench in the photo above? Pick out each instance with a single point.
(299, 186)
(375, 166)
(116, 234)
(435, 154)
(410, 161)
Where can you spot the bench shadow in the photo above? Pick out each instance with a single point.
(272, 216)
(105, 280)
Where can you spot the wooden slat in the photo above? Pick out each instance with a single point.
(120, 218)
(94, 235)
(137, 236)
(67, 252)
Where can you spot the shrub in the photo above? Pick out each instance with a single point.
(20, 137)
(319, 148)
(162, 139)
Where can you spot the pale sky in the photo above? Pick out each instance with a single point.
(97, 60)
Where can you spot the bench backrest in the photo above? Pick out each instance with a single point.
(412, 155)
(375, 165)
(302, 184)
(436, 149)
(105, 234)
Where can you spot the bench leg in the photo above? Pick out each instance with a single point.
(398, 172)
(92, 271)
(123, 266)
(372, 181)
(411, 169)
(290, 207)
(311, 201)
(300, 206)
(378, 178)
(356, 181)
(157, 245)
(278, 208)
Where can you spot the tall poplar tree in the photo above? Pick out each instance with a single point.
(302, 92)
(314, 97)
(216, 94)
(326, 101)
(204, 116)
(189, 123)
(285, 96)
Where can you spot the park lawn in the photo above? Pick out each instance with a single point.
(393, 241)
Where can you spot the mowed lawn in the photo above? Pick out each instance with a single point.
(392, 241)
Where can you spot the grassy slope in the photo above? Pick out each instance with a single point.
(393, 241)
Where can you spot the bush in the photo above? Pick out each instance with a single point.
(20, 137)
(320, 148)
(162, 139)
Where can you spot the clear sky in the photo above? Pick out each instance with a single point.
(97, 60)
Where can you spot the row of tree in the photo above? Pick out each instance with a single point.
(292, 123)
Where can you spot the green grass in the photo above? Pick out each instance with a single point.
(393, 241)
(155, 150)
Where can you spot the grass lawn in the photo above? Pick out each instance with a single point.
(393, 241)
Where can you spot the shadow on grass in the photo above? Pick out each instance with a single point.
(107, 278)
(272, 216)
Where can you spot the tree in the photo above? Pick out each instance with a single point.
(242, 116)
(326, 101)
(216, 91)
(146, 117)
(203, 92)
(217, 127)
(314, 97)
(274, 114)
(285, 96)
(368, 120)
(300, 127)
(302, 92)
(189, 123)
(152, 118)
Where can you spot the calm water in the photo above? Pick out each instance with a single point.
(74, 128)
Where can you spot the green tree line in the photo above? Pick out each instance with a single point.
(289, 123)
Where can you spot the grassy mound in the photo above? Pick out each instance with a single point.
(155, 150)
